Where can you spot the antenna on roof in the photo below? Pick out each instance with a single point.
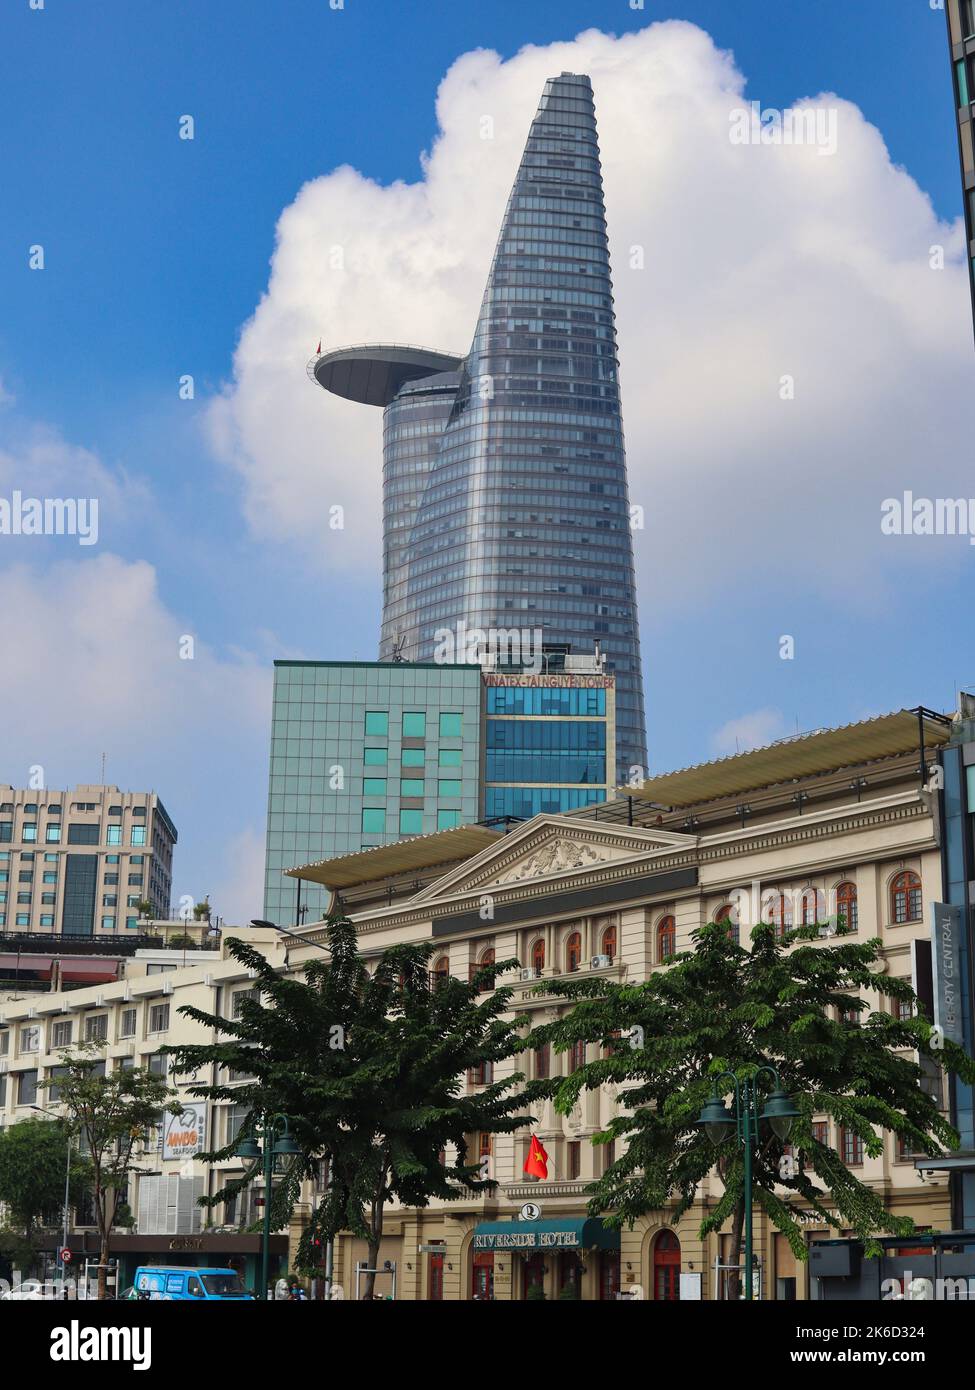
(103, 769)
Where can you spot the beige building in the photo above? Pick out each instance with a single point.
(129, 1019)
(78, 863)
(835, 822)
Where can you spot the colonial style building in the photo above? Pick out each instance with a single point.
(842, 821)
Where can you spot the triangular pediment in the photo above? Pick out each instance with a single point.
(551, 847)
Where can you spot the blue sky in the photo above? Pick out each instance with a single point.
(157, 253)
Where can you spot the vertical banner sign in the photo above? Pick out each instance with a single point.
(946, 946)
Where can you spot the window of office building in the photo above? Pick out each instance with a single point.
(158, 1064)
(373, 820)
(413, 757)
(374, 786)
(450, 757)
(29, 831)
(666, 938)
(448, 788)
(159, 1018)
(411, 786)
(52, 834)
(137, 835)
(96, 1028)
(27, 1088)
(108, 923)
(61, 1033)
(47, 920)
(30, 1038)
(374, 757)
(377, 723)
(114, 835)
(410, 822)
(415, 724)
(451, 725)
(447, 820)
(83, 835)
(22, 919)
(127, 1024)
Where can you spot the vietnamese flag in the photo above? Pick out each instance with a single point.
(536, 1164)
(319, 348)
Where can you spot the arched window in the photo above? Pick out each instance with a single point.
(813, 906)
(485, 958)
(779, 910)
(538, 957)
(666, 938)
(573, 952)
(905, 898)
(846, 905)
(441, 969)
(608, 943)
(729, 913)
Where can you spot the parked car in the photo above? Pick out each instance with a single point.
(31, 1290)
(186, 1282)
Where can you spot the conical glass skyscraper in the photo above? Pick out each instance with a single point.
(504, 485)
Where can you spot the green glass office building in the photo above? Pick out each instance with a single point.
(362, 754)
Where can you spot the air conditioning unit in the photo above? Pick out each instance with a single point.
(527, 973)
(600, 962)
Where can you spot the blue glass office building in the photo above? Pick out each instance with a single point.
(363, 754)
(505, 494)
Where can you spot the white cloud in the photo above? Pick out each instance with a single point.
(754, 730)
(760, 262)
(237, 890)
(93, 666)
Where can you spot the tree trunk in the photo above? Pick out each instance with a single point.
(103, 1266)
(375, 1240)
(737, 1225)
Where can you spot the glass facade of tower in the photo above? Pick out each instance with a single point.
(505, 495)
(363, 754)
(961, 40)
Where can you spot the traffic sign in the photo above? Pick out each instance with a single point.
(64, 1255)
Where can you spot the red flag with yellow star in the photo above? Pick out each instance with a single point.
(536, 1164)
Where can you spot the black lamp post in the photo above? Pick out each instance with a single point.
(275, 1131)
(719, 1123)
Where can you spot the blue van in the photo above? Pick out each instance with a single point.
(185, 1282)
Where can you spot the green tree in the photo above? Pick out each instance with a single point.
(371, 1069)
(33, 1159)
(720, 1008)
(113, 1115)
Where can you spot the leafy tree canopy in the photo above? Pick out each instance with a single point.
(721, 1008)
(371, 1069)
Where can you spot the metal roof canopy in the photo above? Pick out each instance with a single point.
(825, 750)
(386, 861)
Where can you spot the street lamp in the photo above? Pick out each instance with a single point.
(67, 1176)
(275, 1131)
(305, 940)
(719, 1123)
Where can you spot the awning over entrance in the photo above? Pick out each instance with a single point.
(569, 1233)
